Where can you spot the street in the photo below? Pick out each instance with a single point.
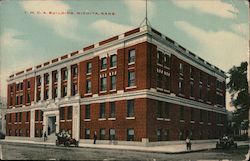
(20, 151)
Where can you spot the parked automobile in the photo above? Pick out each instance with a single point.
(226, 142)
(2, 135)
(66, 140)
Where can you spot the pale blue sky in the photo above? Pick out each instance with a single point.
(216, 30)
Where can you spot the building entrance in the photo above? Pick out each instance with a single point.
(51, 125)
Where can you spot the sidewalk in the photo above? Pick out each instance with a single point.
(168, 149)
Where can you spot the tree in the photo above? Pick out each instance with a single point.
(238, 88)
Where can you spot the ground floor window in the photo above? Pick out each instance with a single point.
(166, 135)
(130, 134)
(111, 134)
(102, 134)
(87, 133)
(158, 132)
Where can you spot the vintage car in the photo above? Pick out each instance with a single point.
(225, 143)
(2, 135)
(66, 140)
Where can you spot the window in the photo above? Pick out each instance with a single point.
(36, 115)
(11, 88)
(74, 89)
(181, 113)
(62, 113)
(21, 86)
(113, 82)
(112, 110)
(17, 100)
(27, 132)
(55, 76)
(158, 133)
(74, 71)
(181, 68)
(131, 56)
(38, 80)
(201, 76)
(102, 134)
(38, 95)
(167, 61)
(64, 74)
(200, 92)
(201, 116)
(21, 99)
(160, 57)
(113, 61)
(166, 110)
(208, 81)
(87, 112)
(130, 134)
(111, 134)
(41, 115)
(28, 84)
(181, 86)
(27, 116)
(167, 82)
(28, 97)
(159, 79)
(191, 89)
(159, 109)
(46, 94)
(131, 78)
(88, 86)
(64, 91)
(69, 116)
(20, 117)
(192, 114)
(103, 84)
(46, 78)
(17, 87)
(104, 63)
(10, 117)
(130, 108)
(166, 135)
(87, 133)
(89, 67)
(55, 92)
(102, 110)
(191, 73)
(208, 116)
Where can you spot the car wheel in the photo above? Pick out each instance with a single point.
(77, 143)
(57, 143)
(67, 143)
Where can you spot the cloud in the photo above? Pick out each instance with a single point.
(241, 29)
(213, 7)
(222, 48)
(137, 10)
(110, 28)
(63, 25)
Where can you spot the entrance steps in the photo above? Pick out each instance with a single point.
(51, 138)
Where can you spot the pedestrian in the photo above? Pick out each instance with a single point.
(95, 137)
(45, 136)
(188, 143)
(48, 130)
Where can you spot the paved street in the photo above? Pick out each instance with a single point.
(19, 151)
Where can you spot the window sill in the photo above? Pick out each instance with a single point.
(111, 118)
(166, 90)
(103, 91)
(62, 120)
(200, 100)
(102, 70)
(219, 124)
(130, 118)
(114, 67)
(167, 119)
(182, 95)
(192, 122)
(160, 89)
(192, 98)
(159, 64)
(182, 121)
(112, 90)
(209, 123)
(131, 87)
(87, 119)
(159, 119)
(201, 122)
(26, 122)
(131, 63)
(88, 74)
(166, 67)
(68, 120)
(102, 119)
(87, 94)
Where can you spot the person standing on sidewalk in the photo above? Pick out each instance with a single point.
(188, 143)
(95, 137)
(45, 136)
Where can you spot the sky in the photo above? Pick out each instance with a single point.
(215, 30)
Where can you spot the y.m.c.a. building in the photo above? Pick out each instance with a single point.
(138, 86)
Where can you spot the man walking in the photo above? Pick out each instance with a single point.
(188, 143)
(95, 137)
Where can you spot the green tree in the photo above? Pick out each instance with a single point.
(238, 88)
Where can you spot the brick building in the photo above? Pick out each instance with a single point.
(137, 86)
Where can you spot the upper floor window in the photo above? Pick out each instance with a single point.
(20, 116)
(191, 72)
(69, 114)
(159, 109)
(74, 89)
(201, 116)
(17, 87)
(55, 75)
(28, 84)
(200, 92)
(21, 99)
(27, 116)
(208, 81)
(191, 89)
(160, 57)
(130, 108)
(46, 94)
(167, 82)
(200, 76)
(36, 115)
(131, 78)
(113, 61)
(104, 63)
(131, 56)
(112, 110)
(74, 71)
(113, 82)
(88, 86)
(64, 91)
(11, 88)
(103, 84)
(21, 86)
(38, 80)
(192, 114)
(102, 110)
(167, 61)
(64, 74)
(159, 79)
(55, 92)
(181, 68)
(89, 67)
(62, 113)
(87, 112)
(181, 113)
(28, 97)
(46, 78)
(181, 86)
(16, 120)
